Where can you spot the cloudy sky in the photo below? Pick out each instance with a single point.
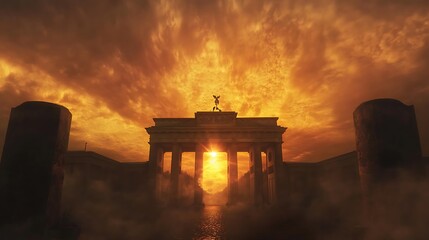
(118, 64)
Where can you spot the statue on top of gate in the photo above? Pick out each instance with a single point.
(216, 103)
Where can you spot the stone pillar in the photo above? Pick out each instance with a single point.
(257, 174)
(388, 146)
(198, 191)
(269, 175)
(264, 167)
(279, 172)
(31, 169)
(232, 175)
(176, 161)
(156, 161)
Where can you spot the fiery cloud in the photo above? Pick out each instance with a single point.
(118, 64)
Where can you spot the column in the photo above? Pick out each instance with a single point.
(232, 175)
(198, 191)
(176, 161)
(257, 180)
(271, 175)
(265, 190)
(279, 172)
(156, 167)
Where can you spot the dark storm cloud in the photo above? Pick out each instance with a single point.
(101, 47)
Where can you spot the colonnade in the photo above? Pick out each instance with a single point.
(262, 183)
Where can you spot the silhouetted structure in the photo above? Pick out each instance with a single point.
(31, 170)
(216, 103)
(87, 166)
(337, 176)
(388, 146)
(220, 131)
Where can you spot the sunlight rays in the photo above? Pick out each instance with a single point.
(214, 172)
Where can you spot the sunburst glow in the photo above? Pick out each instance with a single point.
(214, 172)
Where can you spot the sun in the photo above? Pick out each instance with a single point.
(214, 177)
(213, 156)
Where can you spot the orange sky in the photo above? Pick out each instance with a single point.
(118, 64)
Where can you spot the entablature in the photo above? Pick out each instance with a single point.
(221, 127)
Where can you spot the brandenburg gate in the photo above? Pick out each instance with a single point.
(226, 133)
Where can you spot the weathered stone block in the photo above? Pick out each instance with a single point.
(31, 169)
(389, 154)
(387, 139)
